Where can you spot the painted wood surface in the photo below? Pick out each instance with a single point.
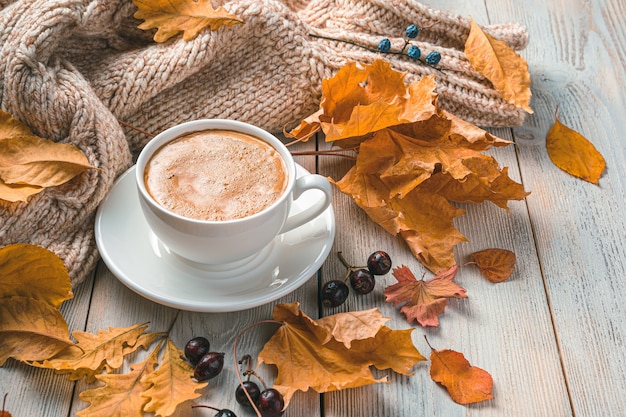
(553, 336)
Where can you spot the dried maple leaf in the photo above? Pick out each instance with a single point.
(34, 272)
(500, 64)
(573, 153)
(423, 301)
(495, 264)
(187, 16)
(94, 352)
(31, 329)
(413, 157)
(466, 384)
(121, 393)
(171, 383)
(314, 354)
(28, 163)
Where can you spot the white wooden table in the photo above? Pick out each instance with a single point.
(553, 337)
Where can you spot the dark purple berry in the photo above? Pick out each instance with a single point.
(196, 348)
(271, 403)
(209, 366)
(379, 263)
(225, 413)
(253, 390)
(384, 45)
(414, 52)
(334, 293)
(433, 58)
(362, 281)
(412, 31)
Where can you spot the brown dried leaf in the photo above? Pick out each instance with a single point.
(573, 153)
(500, 64)
(423, 301)
(34, 272)
(313, 355)
(30, 329)
(188, 16)
(171, 384)
(495, 264)
(466, 384)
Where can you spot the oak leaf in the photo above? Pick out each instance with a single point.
(573, 153)
(188, 16)
(28, 163)
(34, 272)
(500, 64)
(121, 393)
(466, 384)
(93, 352)
(31, 329)
(171, 383)
(413, 160)
(495, 264)
(423, 301)
(314, 354)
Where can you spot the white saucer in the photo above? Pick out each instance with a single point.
(140, 261)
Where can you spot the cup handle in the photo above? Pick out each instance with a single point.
(304, 183)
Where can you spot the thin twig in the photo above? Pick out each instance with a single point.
(136, 128)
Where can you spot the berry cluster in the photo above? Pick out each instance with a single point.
(413, 51)
(270, 401)
(362, 279)
(207, 364)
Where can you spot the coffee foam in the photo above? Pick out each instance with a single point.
(216, 175)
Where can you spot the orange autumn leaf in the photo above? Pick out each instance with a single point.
(28, 163)
(330, 354)
(495, 264)
(573, 153)
(466, 384)
(188, 16)
(423, 301)
(5, 413)
(500, 64)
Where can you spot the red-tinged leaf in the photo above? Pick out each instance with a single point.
(423, 300)
(495, 264)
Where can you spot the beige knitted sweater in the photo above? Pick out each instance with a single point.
(71, 69)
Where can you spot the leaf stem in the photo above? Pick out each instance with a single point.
(241, 333)
(136, 128)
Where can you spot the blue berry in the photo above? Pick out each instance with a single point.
(412, 31)
(433, 58)
(384, 45)
(414, 52)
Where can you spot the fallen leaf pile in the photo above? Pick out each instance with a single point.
(335, 352)
(171, 17)
(29, 164)
(414, 158)
(32, 330)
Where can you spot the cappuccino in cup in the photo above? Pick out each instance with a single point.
(216, 175)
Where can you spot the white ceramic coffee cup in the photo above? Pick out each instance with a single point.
(221, 242)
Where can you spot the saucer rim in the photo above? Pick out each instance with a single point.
(296, 281)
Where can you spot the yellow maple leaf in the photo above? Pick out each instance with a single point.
(28, 163)
(187, 16)
(500, 64)
(93, 352)
(171, 383)
(121, 393)
(573, 153)
(30, 329)
(315, 354)
(34, 272)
